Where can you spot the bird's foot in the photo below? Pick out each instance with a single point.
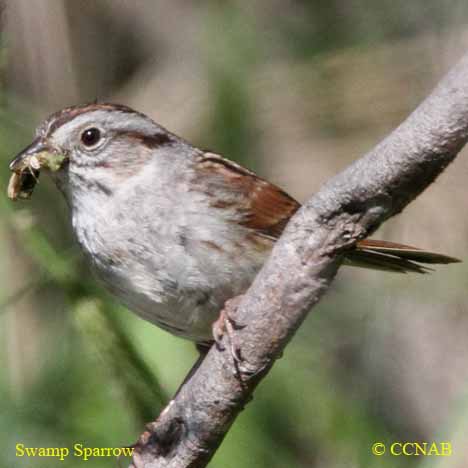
(227, 325)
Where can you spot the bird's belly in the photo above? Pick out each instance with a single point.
(181, 288)
(185, 314)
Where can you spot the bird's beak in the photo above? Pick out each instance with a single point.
(38, 151)
(27, 165)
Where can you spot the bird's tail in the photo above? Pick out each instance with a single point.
(399, 258)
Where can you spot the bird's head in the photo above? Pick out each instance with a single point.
(89, 147)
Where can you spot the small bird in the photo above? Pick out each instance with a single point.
(172, 231)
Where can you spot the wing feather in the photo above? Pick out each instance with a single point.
(266, 209)
(262, 206)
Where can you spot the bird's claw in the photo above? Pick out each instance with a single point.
(227, 325)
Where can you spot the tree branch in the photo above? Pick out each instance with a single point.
(301, 267)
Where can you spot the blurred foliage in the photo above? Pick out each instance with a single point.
(231, 128)
(79, 368)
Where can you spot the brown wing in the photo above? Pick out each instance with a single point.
(266, 209)
(262, 206)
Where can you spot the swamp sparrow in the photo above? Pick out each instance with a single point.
(171, 230)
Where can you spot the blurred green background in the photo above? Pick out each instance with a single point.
(295, 90)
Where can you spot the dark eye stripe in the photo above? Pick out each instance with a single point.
(150, 141)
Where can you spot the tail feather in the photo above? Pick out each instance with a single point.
(389, 256)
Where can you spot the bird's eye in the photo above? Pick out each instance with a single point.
(91, 137)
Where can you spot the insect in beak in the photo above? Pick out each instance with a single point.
(27, 165)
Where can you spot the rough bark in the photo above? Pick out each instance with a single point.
(302, 265)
